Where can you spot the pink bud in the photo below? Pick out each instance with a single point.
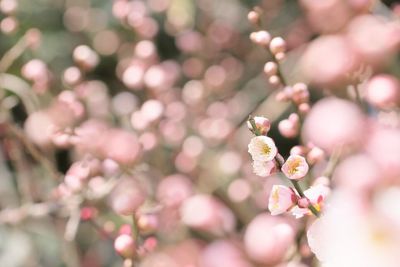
(270, 68)
(300, 93)
(303, 202)
(295, 167)
(147, 223)
(298, 150)
(86, 57)
(315, 155)
(253, 17)
(125, 246)
(263, 125)
(277, 45)
(260, 38)
(274, 80)
(281, 199)
(288, 128)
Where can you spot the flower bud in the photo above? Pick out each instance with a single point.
(288, 128)
(260, 38)
(300, 93)
(125, 246)
(147, 223)
(274, 80)
(263, 125)
(315, 155)
(277, 45)
(270, 68)
(253, 17)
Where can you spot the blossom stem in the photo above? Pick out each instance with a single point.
(301, 193)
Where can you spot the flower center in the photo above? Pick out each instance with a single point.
(266, 149)
(294, 167)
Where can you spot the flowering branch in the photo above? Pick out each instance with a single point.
(281, 162)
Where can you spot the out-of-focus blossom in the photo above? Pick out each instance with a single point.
(127, 196)
(281, 199)
(358, 172)
(383, 91)
(374, 38)
(383, 147)
(332, 123)
(328, 60)
(120, 146)
(174, 189)
(214, 217)
(223, 253)
(262, 148)
(348, 234)
(295, 167)
(267, 239)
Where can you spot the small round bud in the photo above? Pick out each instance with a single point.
(9, 25)
(270, 68)
(281, 97)
(294, 118)
(288, 128)
(277, 45)
(304, 108)
(85, 57)
(147, 223)
(280, 56)
(125, 246)
(263, 125)
(315, 155)
(260, 38)
(8, 6)
(298, 150)
(303, 202)
(274, 80)
(253, 17)
(300, 93)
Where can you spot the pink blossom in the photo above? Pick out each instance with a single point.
(295, 167)
(262, 148)
(281, 199)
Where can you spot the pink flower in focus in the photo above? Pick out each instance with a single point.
(295, 167)
(262, 148)
(264, 168)
(281, 199)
